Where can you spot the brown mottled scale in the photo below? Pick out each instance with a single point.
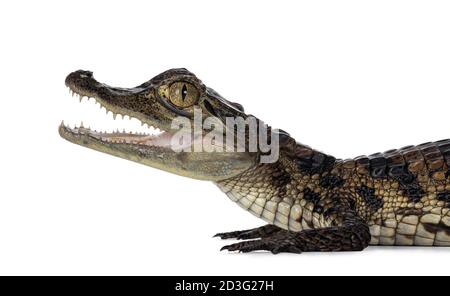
(413, 183)
(403, 195)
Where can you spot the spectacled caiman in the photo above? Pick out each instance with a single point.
(311, 201)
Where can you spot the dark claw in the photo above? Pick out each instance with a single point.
(247, 246)
(278, 243)
(225, 248)
(228, 235)
(260, 232)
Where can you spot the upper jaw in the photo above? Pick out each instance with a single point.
(84, 84)
(137, 102)
(118, 101)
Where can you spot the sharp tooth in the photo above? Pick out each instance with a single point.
(81, 125)
(81, 98)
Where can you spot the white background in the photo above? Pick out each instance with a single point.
(346, 77)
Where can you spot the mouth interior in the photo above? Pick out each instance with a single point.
(146, 134)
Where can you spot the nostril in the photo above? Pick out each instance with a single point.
(78, 76)
(84, 74)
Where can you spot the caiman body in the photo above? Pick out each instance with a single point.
(311, 201)
(403, 195)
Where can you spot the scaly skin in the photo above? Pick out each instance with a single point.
(403, 196)
(311, 200)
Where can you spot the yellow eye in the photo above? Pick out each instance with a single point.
(183, 94)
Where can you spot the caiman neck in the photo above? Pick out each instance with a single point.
(297, 161)
(283, 192)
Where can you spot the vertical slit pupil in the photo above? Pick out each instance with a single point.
(183, 92)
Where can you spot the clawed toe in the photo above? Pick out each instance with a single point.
(262, 245)
(228, 235)
(266, 238)
(260, 232)
(245, 247)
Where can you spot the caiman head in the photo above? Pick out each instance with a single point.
(160, 102)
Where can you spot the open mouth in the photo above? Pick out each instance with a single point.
(147, 135)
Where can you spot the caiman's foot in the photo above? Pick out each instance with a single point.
(281, 241)
(352, 235)
(260, 232)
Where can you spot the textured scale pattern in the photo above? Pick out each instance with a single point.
(402, 195)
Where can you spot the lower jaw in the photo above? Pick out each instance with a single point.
(161, 140)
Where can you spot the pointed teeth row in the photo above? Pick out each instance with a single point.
(114, 140)
(116, 131)
(80, 97)
(114, 115)
(119, 141)
(81, 128)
